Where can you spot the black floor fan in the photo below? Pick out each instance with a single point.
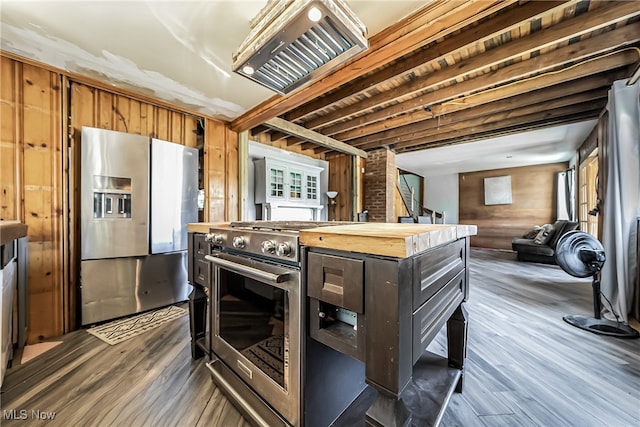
(581, 255)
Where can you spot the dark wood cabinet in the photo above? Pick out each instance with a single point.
(198, 273)
(198, 268)
(406, 302)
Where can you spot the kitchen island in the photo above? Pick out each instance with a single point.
(403, 282)
(379, 293)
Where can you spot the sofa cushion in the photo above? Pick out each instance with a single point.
(544, 235)
(532, 233)
(529, 246)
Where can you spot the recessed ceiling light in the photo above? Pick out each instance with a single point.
(248, 70)
(314, 14)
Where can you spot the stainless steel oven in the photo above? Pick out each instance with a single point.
(261, 356)
(256, 311)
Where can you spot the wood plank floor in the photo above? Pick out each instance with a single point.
(525, 366)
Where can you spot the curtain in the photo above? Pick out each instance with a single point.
(621, 200)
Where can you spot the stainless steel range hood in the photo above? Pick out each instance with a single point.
(295, 41)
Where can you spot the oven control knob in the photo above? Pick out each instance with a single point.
(239, 242)
(269, 247)
(214, 238)
(283, 249)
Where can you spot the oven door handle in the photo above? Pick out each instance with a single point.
(251, 272)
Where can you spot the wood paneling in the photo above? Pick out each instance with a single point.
(533, 190)
(232, 184)
(10, 146)
(221, 179)
(106, 110)
(32, 184)
(340, 180)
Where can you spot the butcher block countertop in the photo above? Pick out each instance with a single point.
(11, 230)
(203, 227)
(387, 239)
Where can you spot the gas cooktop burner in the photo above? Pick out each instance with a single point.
(277, 240)
(283, 225)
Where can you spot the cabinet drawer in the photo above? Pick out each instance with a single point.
(201, 272)
(336, 280)
(433, 269)
(200, 246)
(433, 314)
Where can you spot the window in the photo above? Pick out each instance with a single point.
(588, 196)
(312, 187)
(295, 186)
(276, 182)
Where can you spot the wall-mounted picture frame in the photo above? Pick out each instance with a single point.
(497, 190)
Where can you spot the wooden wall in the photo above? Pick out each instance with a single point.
(221, 179)
(340, 180)
(43, 111)
(31, 159)
(533, 191)
(105, 110)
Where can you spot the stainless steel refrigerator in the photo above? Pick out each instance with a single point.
(137, 196)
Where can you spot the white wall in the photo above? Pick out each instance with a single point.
(257, 151)
(441, 194)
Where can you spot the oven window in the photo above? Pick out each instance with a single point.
(252, 319)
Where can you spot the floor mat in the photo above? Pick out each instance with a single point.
(120, 330)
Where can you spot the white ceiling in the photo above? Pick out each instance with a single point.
(180, 51)
(549, 145)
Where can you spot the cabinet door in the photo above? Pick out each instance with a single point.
(295, 185)
(276, 181)
(312, 188)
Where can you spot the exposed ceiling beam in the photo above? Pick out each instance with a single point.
(464, 92)
(456, 122)
(542, 117)
(434, 21)
(259, 130)
(562, 105)
(517, 129)
(315, 137)
(546, 94)
(484, 31)
(600, 65)
(454, 113)
(560, 33)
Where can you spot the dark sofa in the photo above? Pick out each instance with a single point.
(530, 251)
